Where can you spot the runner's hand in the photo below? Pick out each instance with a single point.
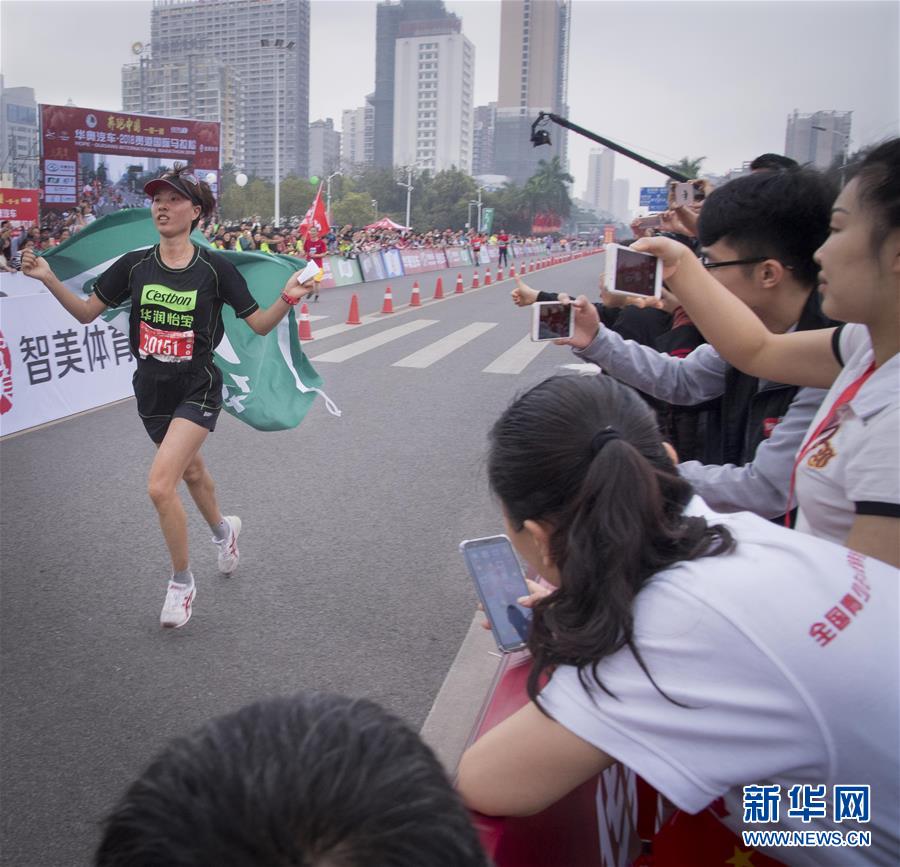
(35, 266)
(293, 289)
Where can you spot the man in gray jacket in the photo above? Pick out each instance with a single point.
(758, 235)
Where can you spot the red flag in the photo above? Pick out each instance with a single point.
(315, 216)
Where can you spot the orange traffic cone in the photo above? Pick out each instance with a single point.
(487, 276)
(439, 289)
(416, 300)
(459, 284)
(353, 315)
(512, 271)
(304, 331)
(388, 306)
(475, 279)
(499, 274)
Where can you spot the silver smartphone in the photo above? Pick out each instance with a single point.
(499, 580)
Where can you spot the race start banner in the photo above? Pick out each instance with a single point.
(69, 133)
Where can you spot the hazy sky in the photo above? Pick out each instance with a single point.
(664, 77)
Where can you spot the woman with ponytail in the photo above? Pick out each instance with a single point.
(704, 651)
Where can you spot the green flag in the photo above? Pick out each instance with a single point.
(268, 382)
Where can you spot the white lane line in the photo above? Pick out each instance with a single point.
(443, 347)
(313, 317)
(351, 350)
(517, 357)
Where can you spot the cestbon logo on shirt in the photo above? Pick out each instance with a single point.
(163, 296)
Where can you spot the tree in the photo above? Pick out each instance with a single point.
(444, 202)
(687, 167)
(547, 191)
(296, 196)
(353, 208)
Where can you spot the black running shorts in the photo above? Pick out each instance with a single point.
(177, 390)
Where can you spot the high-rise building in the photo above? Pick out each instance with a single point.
(19, 151)
(601, 168)
(433, 81)
(483, 139)
(233, 32)
(353, 138)
(324, 148)
(197, 86)
(534, 68)
(821, 138)
(389, 17)
(620, 200)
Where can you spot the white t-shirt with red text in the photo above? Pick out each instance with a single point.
(786, 652)
(853, 467)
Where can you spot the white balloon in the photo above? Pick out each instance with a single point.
(240, 179)
(211, 178)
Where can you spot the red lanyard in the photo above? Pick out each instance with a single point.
(827, 424)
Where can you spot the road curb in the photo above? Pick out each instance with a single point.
(459, 701)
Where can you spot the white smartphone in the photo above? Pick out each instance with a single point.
(308, 272)
(551, 320)
(686, 193)
(499, 580)
(631, 273)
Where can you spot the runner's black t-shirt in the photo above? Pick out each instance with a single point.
(176, 314)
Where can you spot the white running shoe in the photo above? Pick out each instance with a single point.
(228, 549)
(176, 610)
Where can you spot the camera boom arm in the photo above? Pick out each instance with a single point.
(539, 137)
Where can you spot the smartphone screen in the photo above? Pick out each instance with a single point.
(499, 581)
(553, 320)
(635, 272)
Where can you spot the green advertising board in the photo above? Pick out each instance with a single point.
(487, 220)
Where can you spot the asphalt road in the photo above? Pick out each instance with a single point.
(350, 579)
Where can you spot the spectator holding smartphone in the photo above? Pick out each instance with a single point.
(692, 647)
(846, 473)
(758, 235)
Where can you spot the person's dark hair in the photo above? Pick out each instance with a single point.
(317, 780)
(878, 177)
(783, 215)
(773, 163)
(618, 513)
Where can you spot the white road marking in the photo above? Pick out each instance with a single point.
(517, 357)
(351, 350)
(443, 347)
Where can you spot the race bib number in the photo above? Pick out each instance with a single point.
(166, 345)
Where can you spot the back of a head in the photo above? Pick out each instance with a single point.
(584, 455)
(318, 780)
(773, 163)
(783, 215)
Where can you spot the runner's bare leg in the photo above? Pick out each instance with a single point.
(175, 454)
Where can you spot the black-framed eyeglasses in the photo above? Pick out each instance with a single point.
(709, 264)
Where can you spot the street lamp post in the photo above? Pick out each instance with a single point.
(409, 188)
(328, 193)
(844, 148)
(281, 48)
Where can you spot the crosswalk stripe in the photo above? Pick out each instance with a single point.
(443, 347)
(517, 357)
(351, 350)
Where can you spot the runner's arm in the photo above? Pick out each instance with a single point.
(798, 358)
(85, 310)
(263, 321)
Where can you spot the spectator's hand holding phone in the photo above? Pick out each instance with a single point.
(586, 326)
(671, 252)
(536, 592)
